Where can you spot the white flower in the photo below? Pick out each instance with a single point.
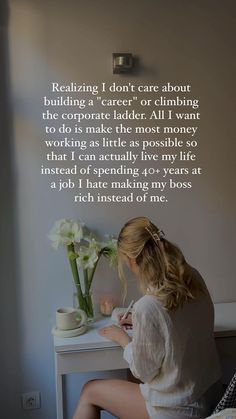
(65, 232)
(93, 242)
(87, 257)
(111, 243)
(110, 250)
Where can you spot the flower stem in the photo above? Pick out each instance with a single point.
(84, 300)
(75, 273)
(90, 279)
(86, 281)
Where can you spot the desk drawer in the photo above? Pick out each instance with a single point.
(101, 360)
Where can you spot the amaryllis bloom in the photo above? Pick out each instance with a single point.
(93, 242)
(65, 232)
(87, 257)
(110, 250)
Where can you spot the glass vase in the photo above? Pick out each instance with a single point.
(85, 302)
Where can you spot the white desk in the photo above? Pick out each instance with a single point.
(88, 352)
(92, 352)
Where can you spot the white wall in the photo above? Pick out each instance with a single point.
(181, 41)
(9, 347)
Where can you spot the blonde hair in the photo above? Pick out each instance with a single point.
(163, 270)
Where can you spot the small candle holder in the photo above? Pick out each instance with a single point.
(106, 305)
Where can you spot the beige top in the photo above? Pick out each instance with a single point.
(173, 353)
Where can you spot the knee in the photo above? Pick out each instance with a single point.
(89, 391)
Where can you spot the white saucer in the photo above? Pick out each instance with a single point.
(69, 333)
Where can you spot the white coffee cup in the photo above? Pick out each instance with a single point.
(68, 318)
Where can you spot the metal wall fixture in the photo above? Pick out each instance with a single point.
(122, 62)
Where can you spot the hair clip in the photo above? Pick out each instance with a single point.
(161, 234)
(157, 236)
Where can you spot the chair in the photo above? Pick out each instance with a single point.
(229, 398)
(226, 408)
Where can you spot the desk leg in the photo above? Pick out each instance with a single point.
(59, 391)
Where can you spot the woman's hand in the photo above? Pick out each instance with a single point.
(116, 334)
(126, 323)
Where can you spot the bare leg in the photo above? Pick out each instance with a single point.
(121, 398)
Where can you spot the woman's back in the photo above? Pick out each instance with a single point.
(182, 347)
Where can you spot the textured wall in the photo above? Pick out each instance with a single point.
(180, 41)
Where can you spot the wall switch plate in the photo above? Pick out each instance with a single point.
(31, 400)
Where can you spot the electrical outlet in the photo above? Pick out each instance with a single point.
(31, 400)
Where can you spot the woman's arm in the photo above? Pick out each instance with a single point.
(116, 334)
(146, 352)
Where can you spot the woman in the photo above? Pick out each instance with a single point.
(172, 351)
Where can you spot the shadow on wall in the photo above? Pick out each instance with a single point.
(10, 347)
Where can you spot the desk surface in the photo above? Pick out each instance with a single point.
(225, 326)
(89, 340)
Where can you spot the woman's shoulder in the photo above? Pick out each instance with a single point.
(148, 303)
(147, 299)
(193, 273)
(151, 314)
